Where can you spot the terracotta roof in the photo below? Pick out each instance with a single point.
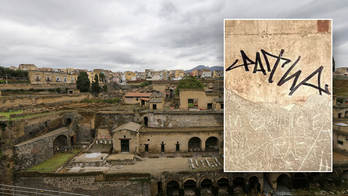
(145, 99)
(138, 94)
(165, 92)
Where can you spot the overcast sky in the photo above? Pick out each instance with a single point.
(134, 35)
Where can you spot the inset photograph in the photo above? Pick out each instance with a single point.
(278, 89)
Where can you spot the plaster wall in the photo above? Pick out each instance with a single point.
(277, 88)
(199, 94)
(171, 138)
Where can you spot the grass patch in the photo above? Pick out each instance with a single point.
(54, 162)
(7, 114)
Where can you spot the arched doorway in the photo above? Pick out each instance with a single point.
(346, 114)
(300, 181)
(173, 188)
(194, 144)
(68, 121)
(206, 187)
(314, 179)
(72, 138)
(344, 175)
(190, 187)
(238, 185)
(254, 185)
(339, 115)
(60, 144)
(211, 144)
(283, 182)
(223, 186)
(146, 121)
(332, 178)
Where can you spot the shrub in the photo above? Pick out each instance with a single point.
(147, 83)
(111, 101)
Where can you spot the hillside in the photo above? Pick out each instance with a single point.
(220, 68)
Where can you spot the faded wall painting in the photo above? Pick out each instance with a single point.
(278, 95)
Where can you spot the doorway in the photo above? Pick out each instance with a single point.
(124, 145)
(162, 147)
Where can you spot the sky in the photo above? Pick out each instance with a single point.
(138, 35)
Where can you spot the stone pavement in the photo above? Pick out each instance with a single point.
(159, 165)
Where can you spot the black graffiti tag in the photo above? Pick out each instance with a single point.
(259, 67)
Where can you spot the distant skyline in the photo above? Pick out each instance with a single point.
(139, 35)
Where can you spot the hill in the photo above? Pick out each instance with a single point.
(220, 68)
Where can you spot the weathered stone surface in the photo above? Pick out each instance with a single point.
(277, 95)
(39, 149)
(185, 119)
(87, 185)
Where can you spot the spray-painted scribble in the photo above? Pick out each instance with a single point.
(258, 67)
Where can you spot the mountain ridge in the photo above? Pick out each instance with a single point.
(220, 68)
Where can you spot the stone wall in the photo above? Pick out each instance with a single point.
(278, 87)
(185, 119)
(36, 86)
(14, 101)
(113, 119)
(198, 177)
(20, 130)
(87, 185)
(171, 137)
(39, 149)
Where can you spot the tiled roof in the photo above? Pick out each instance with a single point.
(131, 126)
(145, 99)
(156, 100)
(138, 94)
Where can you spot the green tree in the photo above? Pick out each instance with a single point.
(102, 77)
(83, 83)
(105, 88)
(95, 86)
(188, 82)
(147, 83)
(333, 64)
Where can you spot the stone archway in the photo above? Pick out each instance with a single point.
(332, 178)
(238, 184)
(254, 185)
(68, 121)
(173, 188)
(194, 144)
(283, 181)
(206, 187)
(60, 144)
(223, 186)
(211, 144)
(315, 179)
(300, 181)
(344, 175)
(189, 187)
